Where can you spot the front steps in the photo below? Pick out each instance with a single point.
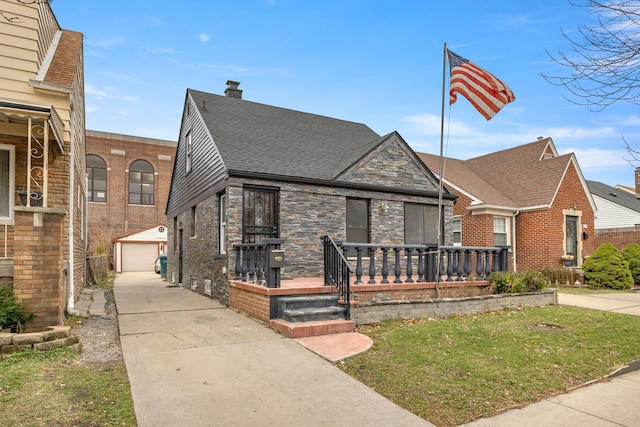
(311, 315)
(313, 328)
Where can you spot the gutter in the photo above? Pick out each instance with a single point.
(513, 240)
(71, 302)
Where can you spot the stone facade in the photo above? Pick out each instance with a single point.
(307, 212)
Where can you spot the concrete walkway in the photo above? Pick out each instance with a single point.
(194, 362)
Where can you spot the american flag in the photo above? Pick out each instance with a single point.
(486, 92)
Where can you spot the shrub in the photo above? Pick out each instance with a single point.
(509, 282)
(606, 267)
(559, 276)
(12, 312)
(632, 254)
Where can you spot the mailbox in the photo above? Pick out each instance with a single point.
(276, 258)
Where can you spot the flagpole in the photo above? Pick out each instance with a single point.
(440, 187)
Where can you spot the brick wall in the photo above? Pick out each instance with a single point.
(116, 217)
(618, 237)
(38, 266)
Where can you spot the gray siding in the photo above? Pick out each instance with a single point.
(207, 167)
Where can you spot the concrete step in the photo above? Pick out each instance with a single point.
(307, 301)
(312, 329)
(313, 314)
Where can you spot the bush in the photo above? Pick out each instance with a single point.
(509, 282)
(12, 312)
(559, 276)
(632, 254)
(606, 267)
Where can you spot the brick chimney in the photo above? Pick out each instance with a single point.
(232, 90)
(637, 181)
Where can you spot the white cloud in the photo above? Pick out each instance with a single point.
(159, 50)
(107, 94)
(204, 37)
(106, 43)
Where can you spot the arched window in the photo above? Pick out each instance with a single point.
(97, 171)
(141, 183)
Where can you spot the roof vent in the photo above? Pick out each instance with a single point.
(232, 90)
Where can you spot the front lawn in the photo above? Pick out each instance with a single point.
(451, 371)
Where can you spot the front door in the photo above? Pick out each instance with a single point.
(571, 228)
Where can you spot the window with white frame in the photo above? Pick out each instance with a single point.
(141, 183)
(222, 223)
(500, 231)
(7, 165)
(189, 153)
(457, 231)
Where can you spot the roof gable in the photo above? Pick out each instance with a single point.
(392, 163)
(524, 177)
(253, 137)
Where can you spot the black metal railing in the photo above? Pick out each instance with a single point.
(254, 264)
(423, 263)
(337, 272)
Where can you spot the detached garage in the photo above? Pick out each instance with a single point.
(138, 252)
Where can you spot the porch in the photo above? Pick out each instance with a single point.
(258, 291)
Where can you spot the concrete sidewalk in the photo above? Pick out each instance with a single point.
(194, 362)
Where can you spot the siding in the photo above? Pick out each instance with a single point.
(612, 215)
(207, 167)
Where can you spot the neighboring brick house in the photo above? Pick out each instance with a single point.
(618, 218)
(529, 197)
(246, 171)
(42, 161)
(128, 187)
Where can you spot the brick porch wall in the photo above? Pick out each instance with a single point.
(38, 266)
(618, 237)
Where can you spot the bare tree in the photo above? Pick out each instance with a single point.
(8, 18)
(604, 60)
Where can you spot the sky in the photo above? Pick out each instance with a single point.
(377, 62)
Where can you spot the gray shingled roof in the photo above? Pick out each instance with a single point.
(254, 137)
(620, 197)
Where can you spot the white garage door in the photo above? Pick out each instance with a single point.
(139, 256)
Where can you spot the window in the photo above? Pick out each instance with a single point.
(193, 221)
(175, 233)
(7, 164)
(189, 153)
(259, 214)
(457, 231)
(97, 173)
(500, 231)
(357, 220)
(421, 224)
(141, 183)
(222, 223)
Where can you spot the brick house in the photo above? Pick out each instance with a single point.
(528, 197)
(618, 219)
(128, 187)
(42, 161)
(245, 172)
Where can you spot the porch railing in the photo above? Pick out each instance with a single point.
(423, 263)
(337, 272)
(255, 265)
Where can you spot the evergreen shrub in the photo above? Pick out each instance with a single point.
(12, 313)
(606, 267)
(632, 254)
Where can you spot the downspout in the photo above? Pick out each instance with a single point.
(72, 159)
(513, 239)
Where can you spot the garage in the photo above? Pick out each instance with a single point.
(138, 256)
(138, 251)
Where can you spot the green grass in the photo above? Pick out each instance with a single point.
(52, 389)
(455, 370)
